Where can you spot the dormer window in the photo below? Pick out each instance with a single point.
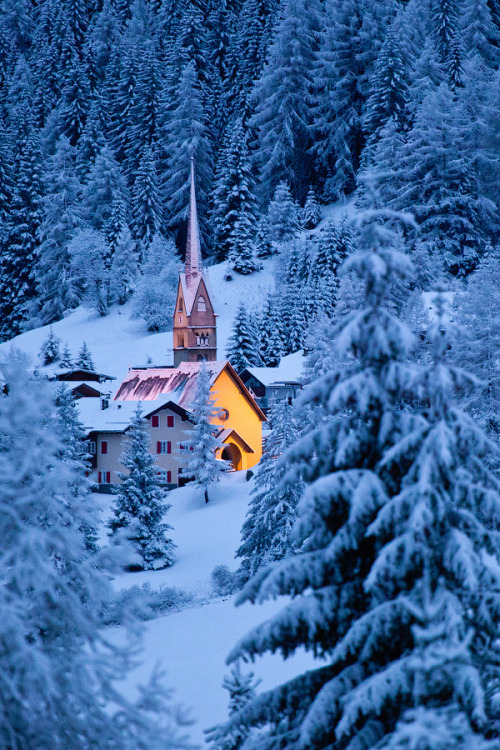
(202, 305)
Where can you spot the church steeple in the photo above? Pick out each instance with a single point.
(195, 335)
(193, 247)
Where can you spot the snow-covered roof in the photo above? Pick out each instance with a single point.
(119, 414)
(289, 370)
(148, 383)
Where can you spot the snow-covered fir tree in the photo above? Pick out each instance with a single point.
(271, 332)
(60, 670)
(311, 213)
(140, 502)
(198, 449)
(241, 687)
(90, 269)
(84, 358)
(242, 348)
(283, 215)
(266, 532)
(61, 219)
(280, 97)
(50, 349)
(124, 267)
(66, 360)
(156, 288)
(362, 397)
(73, 451)
(477, 343)
(234, 192)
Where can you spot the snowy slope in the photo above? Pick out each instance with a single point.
(192, 645)
(119, 340)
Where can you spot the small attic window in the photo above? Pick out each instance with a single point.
(180, 308)
(202, 305)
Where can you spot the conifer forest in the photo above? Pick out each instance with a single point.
(351, 148)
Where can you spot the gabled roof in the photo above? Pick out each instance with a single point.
(65, 375)
(118, 416)
(288, 371)
(228, 432)
(147, 384)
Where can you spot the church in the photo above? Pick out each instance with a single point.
(167, 392)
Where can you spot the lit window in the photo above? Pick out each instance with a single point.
(202, 305)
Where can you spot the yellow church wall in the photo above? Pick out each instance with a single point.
(242, 417)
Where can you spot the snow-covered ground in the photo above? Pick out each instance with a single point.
(192, 645)
(119, 340)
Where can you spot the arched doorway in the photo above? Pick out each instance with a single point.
(232, 453)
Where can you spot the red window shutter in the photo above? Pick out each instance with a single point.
(158, 446)
(191, 448)
(169, 447)
(155, 421)
(169, 476)
(108, 477)
(99, 478)
(170, 421)
(104, 447)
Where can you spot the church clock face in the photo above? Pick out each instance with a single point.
(223, 415)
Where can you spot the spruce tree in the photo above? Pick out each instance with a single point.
(199, 447)
(140, 503)
(124, 268)
(234, 192)
(272, 334)
(312, 213)
(345, 490)
(104, 188)
(283, 215)
(156, 288)
(280, 97)
(242, 346)
(241, 688)
(146, 211)
(184, 135)
(17, 280)
(71, 433)
(50, 349)
(477, 342)
(61, 219)
(266, 532)
(90, 269)
(60, 670)
(84, 359)
(65, 361)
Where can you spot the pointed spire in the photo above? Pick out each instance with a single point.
(193, 248)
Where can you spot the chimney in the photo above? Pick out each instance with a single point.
(105, 400)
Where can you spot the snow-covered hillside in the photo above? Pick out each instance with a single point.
(119, 340)
(192, 645)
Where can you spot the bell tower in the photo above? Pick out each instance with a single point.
(195, 334)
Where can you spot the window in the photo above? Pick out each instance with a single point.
(91, 447)
(164, 446)
(180, 308)
(155, 421)
(170, 421)
(104, 447)
(202, 305)
(104, 477)
(180, 342)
